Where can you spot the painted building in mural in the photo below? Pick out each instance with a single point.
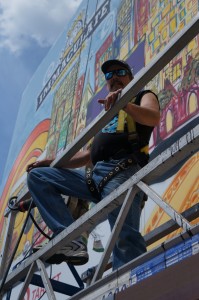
(62, 96)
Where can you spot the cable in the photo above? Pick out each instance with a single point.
(28, 254)
(22, 205)
(11, 204)
(42, 295)
(15, 249)
(40, 230)
(28, 251)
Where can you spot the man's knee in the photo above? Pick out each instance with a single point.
(33, 175)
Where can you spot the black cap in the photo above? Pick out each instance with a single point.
(111, 62)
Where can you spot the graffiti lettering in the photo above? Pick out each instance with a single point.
(38, 292)
(101, 13)
(117, 290)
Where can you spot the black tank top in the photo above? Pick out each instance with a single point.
(106, 145)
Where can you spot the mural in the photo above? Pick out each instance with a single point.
(181, 194)
(62, 95)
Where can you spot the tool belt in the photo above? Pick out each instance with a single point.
(127, 159)
(122, 165)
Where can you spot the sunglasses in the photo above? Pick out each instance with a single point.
(120, 73)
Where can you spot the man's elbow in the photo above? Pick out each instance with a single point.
(156, 119)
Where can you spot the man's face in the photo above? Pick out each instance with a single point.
(117, 82)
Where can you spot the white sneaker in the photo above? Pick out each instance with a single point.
(74, 253)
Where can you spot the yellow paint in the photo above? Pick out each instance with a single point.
(145, 28)
(189, 18)
(190, 5)
(193, 103)
(124, 49)
(151, 36)
(161, 26)
(173, 26)
(182, 14)
(155, 22)
(39, 143)
(191, 45)
(164, 34)
(169, 121)
(181, 194)
(181, 25)
(176, 72)
(172, 13)
(157, 43)
(182, 4)
(166, 10)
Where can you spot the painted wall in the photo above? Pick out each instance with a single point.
(61, 98)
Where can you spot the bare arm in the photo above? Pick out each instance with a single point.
(147, 113)
(80, 159)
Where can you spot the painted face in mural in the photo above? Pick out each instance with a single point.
(117, 82)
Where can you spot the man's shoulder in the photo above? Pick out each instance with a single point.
(141, 94)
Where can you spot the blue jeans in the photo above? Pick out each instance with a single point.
(46, 185)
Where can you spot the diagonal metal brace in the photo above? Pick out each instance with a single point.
(177, 217)
(27, 281)
(129, 197)
(46, 281)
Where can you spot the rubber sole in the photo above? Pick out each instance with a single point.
(74, 260)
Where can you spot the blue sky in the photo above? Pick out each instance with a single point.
(27, 31)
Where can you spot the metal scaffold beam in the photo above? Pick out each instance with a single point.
(96, 214)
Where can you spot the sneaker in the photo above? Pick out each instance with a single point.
(74, 253)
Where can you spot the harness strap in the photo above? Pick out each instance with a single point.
(96, 190)
(91, 184)
(124, 164)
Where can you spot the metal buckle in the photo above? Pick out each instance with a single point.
(123, 165)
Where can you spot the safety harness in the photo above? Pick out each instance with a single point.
(124, 163)
(139, 154)
(96, 190)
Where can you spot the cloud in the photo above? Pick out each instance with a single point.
(24, 21)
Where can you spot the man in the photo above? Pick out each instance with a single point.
(124, 140)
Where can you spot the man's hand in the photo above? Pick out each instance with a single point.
(110, 99)
(37, 164)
